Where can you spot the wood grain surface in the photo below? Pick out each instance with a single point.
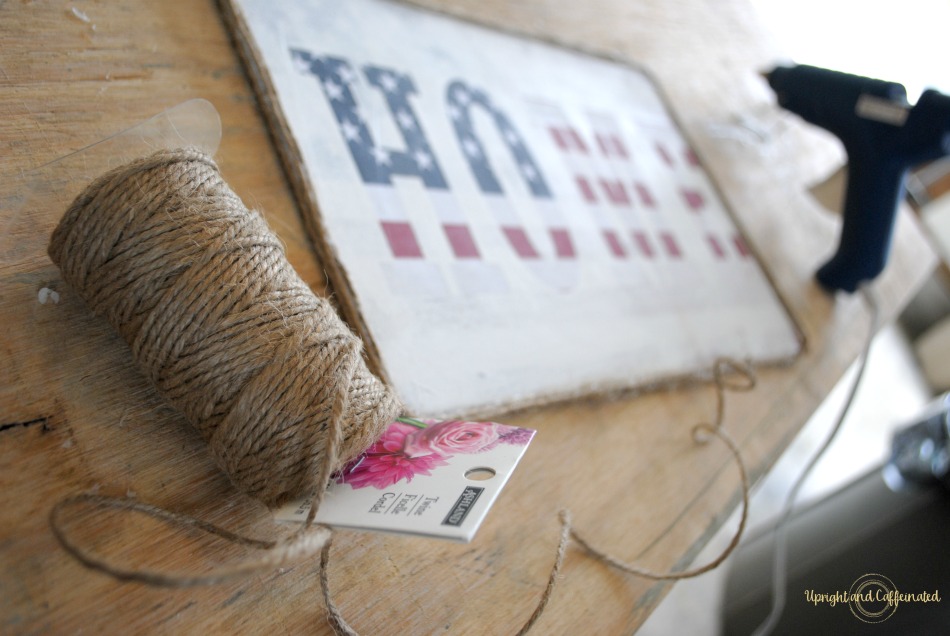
(76, 416)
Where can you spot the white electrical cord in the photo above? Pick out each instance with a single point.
(780, 553)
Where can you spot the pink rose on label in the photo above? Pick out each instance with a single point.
(384, 470)
(448, 438)
(385, 463)
(410, 447)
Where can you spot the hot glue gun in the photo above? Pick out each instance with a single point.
(884, 136)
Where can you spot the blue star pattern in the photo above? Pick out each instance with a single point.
(375, 163)
(460, 99)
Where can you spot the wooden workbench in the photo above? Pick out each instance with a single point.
(76, 416)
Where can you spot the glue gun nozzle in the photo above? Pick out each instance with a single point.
(769, 74)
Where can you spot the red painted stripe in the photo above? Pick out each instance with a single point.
(741, 246)
(664, 154)
(693, 198)
(611, 146)
(563, 246)
(578, 141)
(619, 147)
(716, 247)
(586, 190)
(615, 191)
(461, 240)
(402, 240)
(643, 243)
(558, 138)
(691, 158)
(613, 242)
(646, 197)
(520, 242)
(672, 247)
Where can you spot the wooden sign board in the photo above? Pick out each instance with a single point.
(507, 222)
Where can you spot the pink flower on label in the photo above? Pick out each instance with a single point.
(384, 470)
(516, 435)
(385, 463)
(448, 438)
(393, 439)
(410, 447)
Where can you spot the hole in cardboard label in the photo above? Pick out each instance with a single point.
(482, 473)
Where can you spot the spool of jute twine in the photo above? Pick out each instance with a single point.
(201, 290)
(216, 317)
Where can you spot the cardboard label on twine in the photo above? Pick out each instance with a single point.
(422, 477)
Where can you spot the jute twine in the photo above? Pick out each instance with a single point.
(218, 320)
(268, 374)
(728, 375)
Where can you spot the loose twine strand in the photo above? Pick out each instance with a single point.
(746, 382)
(304, 542)
(265, 370)
(723, 372)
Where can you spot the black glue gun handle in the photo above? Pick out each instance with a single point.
(874, 191)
